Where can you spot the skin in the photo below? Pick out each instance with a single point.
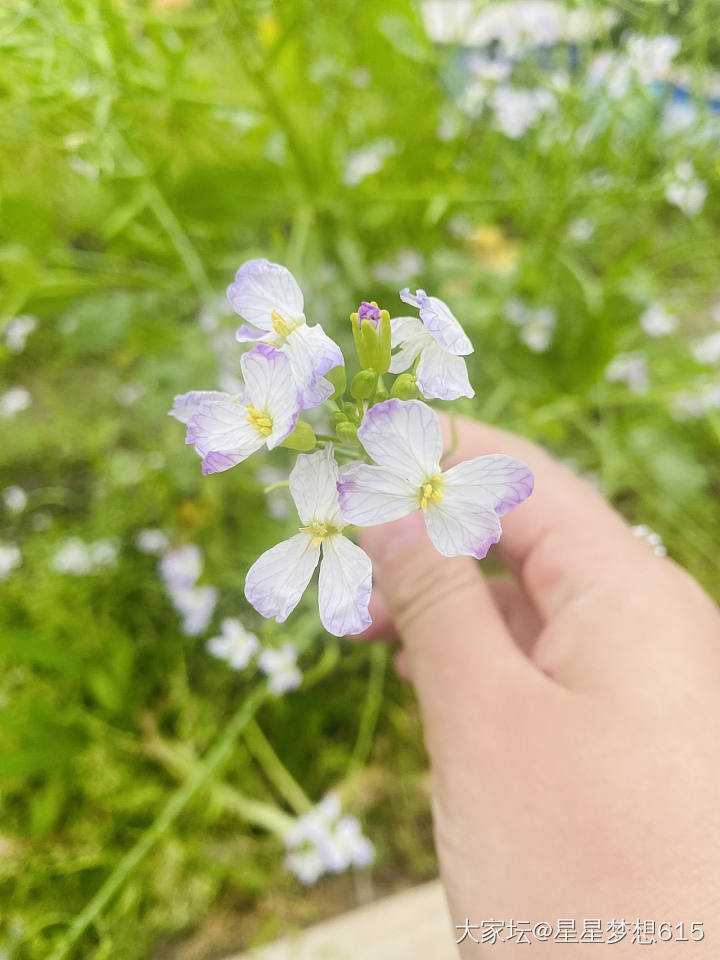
(571, 714)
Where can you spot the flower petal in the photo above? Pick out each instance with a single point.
(442, 375)
(403, 328)
(312, 354)
(459, 526)
(261, 287)
(370, 495)
(247, 334)
(345, 587)
(405, 436)
(271, 388)
(409, 334)
(186, 405)
(222, 435)
(495, 481)
(278, 578)
(313, 485)
(439, 321)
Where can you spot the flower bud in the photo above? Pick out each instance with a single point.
(336, 417)
(347, 433)
(405, 387)
(364, 384)
(371, 333)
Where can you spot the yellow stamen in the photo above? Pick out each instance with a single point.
(430, 492)
(282, 327)
(318, 531)
(260, 420)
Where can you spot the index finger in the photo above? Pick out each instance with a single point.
(563, 539)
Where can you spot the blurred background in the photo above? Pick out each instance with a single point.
(551, 171)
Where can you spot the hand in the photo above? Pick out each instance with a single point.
(572, 716)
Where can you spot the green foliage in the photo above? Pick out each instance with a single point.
(146, 150)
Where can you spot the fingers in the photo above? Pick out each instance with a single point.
(460, 654)
(564, 539)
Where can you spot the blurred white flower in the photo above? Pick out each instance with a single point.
(235, 645)
(129, 393)
(182, 566)
(402, 266)
(536, 324)
(180, 570)
(324, 841)
(280, 667)
(630, 369)
(366, 160)
(652, 539)
(685, 190)
(651, 57)
(10, 558)
(40, 520)
(517, 110)
(14, 498)
(707, 350)
(151, 540)
(14, 401)
(693, 404)
(581, 229)
(79, 559)
(17, 330)
(657, 321)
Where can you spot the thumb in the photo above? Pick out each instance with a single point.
(462, 657)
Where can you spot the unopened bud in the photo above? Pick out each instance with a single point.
(364, 384)
(347, 433)
(405, 387)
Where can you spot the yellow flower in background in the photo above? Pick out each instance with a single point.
(268, 29)
(493, 249)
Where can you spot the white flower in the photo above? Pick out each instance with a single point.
(652, 539)
(129, 393)
(367, 160)
(182, 566)
(17, 330)
(225, 429)
(72, 557)
(657, 321)
(581, 229)
(10, 558)
(685, 190)
(15, 499)
(518, 110)
(280, 667)
(151, 540)
(277, 579)
(696, 404)
(630, 369)
(707, 350)
(235, 645)
(196, 606)
(462, 505)
(651, 57)
(440, 342)
(13, 401)
(267, 296)
(537, 324)
(404, 263)
(103, 553)
(324, 841)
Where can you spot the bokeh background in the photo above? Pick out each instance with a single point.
(550, 171)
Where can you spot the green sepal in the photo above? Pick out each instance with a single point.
(337, 378)
(302, 438)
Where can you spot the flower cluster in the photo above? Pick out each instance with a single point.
(79, 558)
(380, 459)
(180, 571)
(325, 841)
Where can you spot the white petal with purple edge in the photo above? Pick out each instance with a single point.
(405, 436)
(313, 354)
(439, 321)
(186, 405)
(370, 495)
(410, 336)
(271, 388)
(278, 578)
(460, 527)
(345, 586)
(442, 375)
(261, 287)
(497, 481)
(313, 485)
(403, 328)
(222, 435)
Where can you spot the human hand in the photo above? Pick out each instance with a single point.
(572, 716)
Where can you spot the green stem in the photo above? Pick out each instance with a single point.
(371, 708)
(275, 769)
(213, 759)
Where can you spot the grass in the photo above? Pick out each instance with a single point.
(147, 149)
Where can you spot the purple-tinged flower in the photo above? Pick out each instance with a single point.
(657, 321)
(324, 841)
(226, 429)
(369, 311)
(196, 606)
(630, 369)
(462, 505)
(440, 342)
(235, 645)
(278, 578)
(280, 667)
(707, 350)
(182, 566)
(268, 297)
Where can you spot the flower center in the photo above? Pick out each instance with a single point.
(430, 492)
(260, 420)
(281, 326)
(318, 531)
